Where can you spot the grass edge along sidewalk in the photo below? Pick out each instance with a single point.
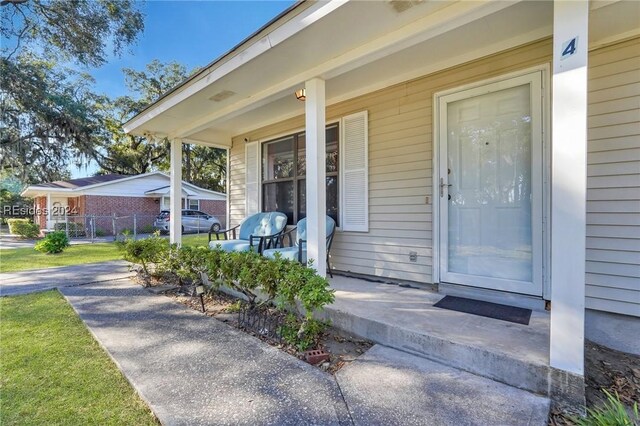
(26, 258)
(54, 372)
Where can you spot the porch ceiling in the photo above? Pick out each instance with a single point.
(392, 47)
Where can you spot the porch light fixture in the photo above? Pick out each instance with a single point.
(301, 95)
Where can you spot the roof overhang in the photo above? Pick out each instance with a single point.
(254, 86)
(40, 191)
(165, 191)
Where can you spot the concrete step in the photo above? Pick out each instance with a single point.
(386, 386)
(405, 319)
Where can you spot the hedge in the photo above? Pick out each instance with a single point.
(23, 227)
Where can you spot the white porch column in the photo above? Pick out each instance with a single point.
(228, 190)
(49, 223)
(175, 193)
(569, 185)
(316, 174)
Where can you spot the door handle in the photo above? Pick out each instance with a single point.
(443, 186)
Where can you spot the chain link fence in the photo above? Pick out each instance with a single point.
(117, 227)
(105, 227)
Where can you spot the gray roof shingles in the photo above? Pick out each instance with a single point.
(81, 182)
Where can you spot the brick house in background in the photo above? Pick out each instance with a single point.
(101, 198)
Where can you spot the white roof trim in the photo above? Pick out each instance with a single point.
(244, 55)
(427, 27)
(165, 191)
(46, 189)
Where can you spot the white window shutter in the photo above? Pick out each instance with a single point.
(252, 178)
(355, 172)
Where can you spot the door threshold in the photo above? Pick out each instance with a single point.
(535, 303)
(386, 280)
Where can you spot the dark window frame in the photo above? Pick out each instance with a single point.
(295, 179)
(188, 203)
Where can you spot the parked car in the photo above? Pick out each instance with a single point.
(192, 221)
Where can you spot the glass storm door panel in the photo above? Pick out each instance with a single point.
(490, 178)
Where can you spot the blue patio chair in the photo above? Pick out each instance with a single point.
(255, 232)
(297, 249)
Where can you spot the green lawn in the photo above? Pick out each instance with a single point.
(195, 240)
(20, 259)
(53, 372)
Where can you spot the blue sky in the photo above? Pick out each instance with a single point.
(193, 33)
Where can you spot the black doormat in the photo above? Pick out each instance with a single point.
(485, 309)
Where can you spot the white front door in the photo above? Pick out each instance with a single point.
(490, 182)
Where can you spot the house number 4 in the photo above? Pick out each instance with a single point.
(569, 48)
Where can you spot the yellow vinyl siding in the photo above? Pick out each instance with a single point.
(613, 183)
(400, 166)
(400, 172)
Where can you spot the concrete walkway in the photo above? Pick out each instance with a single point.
(389, 387)
(12, 242)
(22, 282)
(192, 369)
(406, 319)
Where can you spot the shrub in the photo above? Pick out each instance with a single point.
(192, 262)
(147, 229)
(612, 413)
(288, 284)
(239, 270)
(301, 283)
(54, 242)
(11, 201)
(302, 334)
(124, 235)
(100, 232)
(261, 280)
(23, 227)
(147, 251)
(235, 307)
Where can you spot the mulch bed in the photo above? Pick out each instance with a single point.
(342, 347)
(610, 370)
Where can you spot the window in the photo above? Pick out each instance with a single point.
(193, 204)
(284, 171)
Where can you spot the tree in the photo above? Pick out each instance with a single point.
(12, 204)
(47, 119)
(129, 154)
(70, 31)
(124, 153)
(205, 166)
(47, 115)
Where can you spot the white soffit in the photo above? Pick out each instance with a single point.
(319, 42)
(256, 102)
(516, 25)
(521, 23)
(412, 28)
(196, 96)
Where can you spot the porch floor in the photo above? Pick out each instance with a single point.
(406, 319)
